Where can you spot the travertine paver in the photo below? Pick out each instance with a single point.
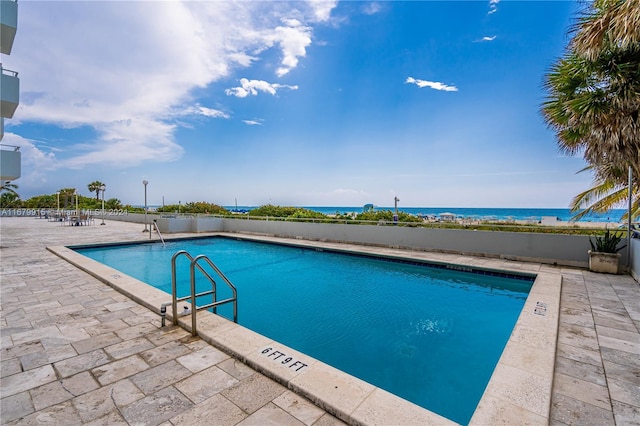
(75, 351)
(597, 374)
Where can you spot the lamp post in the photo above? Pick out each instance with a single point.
(58, 209)
(102, 188)
(145, 183)
(395, 216)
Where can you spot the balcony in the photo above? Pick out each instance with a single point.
(8, 24)
(9, 90)
(10, 162)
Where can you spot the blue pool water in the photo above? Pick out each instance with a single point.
(430, 335)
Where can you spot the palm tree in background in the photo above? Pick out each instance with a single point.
(96, 186)
(594, 100)
(9, 197)
(606, 193)
(66, 197)
(10, 188)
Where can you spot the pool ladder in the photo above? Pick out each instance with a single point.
(196, 263)
(155, 226)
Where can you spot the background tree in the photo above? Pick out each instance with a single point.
(96, 186)
(9, 197)
(386, 215)
(113, 204)
(594, 99)
(41, 201)
(605, 195)
(9, 187)
(270, 210)
(66, 197)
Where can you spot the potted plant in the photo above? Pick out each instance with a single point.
(604, 256)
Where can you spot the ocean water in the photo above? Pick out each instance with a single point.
(614, 216)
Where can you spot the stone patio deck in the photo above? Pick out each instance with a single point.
(75, 351)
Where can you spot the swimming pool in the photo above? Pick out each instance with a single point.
(430, 335)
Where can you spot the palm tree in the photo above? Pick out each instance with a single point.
(594, 105)
(9, 199)
(96, 186)
(594, 100)
(66, 194)
(609, 21)
(8, 195)
(610, 190)
(9, 187)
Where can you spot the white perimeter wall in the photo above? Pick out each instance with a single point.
(570, 250)
(546, 248)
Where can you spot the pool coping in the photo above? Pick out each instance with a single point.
(519, 390)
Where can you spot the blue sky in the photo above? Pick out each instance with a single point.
(292, 103)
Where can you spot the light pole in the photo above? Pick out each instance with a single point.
(145, 183)
(102, 188)
(58, 210)
(395, 216)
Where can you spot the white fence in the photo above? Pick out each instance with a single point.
(549, 248)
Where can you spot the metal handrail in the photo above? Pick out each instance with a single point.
(174, 291)
(155, 225)
(215, 303)
(194, 262)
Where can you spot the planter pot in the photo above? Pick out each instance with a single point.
(604, 262)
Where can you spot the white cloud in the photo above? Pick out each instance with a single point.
(110, 63)
(371, 8)
(252, 122)
(153, 142)
(209, 112)
(322, 8)
(252, 87)
(487, 38)
(493, 6)
(431, 84)
(293, 39)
